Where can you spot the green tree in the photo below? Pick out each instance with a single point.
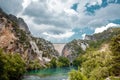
(115, 48)
(76, 75)
(34, 65)
(12, 66)
(53, 63)
(115, 45)
(78, 61)
(63, 61)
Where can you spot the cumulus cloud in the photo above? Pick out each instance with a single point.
(101, 29)
(60, 36)
(102, 16)
(11, 6)
(55, 19)
(83, 36)
(94, 2)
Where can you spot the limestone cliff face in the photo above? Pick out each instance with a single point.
(15, 37)
(21, 23)
(74, 48)
(46, 47)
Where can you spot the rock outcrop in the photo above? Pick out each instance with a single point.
(21, 23)
(107, 34)
(15, 37)
(74, 48)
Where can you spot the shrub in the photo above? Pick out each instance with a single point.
(76, 75)
(63, 61)
(12, 66)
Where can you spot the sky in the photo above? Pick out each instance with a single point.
(61, 21)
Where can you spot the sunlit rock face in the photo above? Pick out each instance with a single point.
(84, 46)
(15, 37)
(72, 49)
(89, 37)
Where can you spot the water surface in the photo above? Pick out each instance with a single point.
(49, 74)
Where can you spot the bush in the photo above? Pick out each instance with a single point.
(34, 65)
(114, 78)
(115, 48)
(53, 63)
(99, 73)
(76, 75)
(60, 62)
(63, 61)
(12, 66)
(77, 61)
(115, 45)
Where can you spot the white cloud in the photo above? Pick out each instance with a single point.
(101, 29)
(70, 12)
(102, 16)
(99, 2)
(83, 36)
(26, 3)
(55, 18)
(59, 36)
(94, 2)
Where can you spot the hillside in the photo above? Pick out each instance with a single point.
(101, 63)
(77, 47)
(15, 37)
(74, 48)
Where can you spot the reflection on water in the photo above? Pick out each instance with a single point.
(49, 74)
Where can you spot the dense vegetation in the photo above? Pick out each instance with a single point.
(60, 62)
(115, 48)
(76, 75)
(34, 65)
(99, 65)
(12, 67)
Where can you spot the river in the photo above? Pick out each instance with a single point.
(49, 74)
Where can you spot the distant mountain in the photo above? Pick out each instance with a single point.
(77, 47)
(15, 37)
(105, 35)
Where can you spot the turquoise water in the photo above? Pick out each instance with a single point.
(49, 74)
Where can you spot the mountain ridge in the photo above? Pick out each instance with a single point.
(15, 37)
(77, 47)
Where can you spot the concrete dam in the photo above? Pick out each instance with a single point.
(59, 47)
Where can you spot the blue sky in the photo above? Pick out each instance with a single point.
(61, 21)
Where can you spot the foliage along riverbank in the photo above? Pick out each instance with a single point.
(99, 63)
(12, 66)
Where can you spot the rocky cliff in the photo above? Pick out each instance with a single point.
(107, 34)
(15, 37)
(77, 47)
(74, 48)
